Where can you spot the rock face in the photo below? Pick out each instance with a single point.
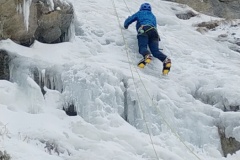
(23, 22)
(229, 144)
(4, 155)
(219, 8)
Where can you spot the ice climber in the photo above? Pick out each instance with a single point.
(148, 37)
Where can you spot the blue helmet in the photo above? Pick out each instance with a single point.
(145, 6)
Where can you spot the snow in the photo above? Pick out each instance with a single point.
(169, 117)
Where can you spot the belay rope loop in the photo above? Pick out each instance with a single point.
(164, 120)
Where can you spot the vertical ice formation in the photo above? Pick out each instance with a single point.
(51, 4)
(31, 79)
(19, 8)
(94, 92)
(70, 34)
(29, 91)
(33, 92)
(24, 9)
(50, 78)
(26, 12)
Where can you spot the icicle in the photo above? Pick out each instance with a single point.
(43, 77)
(11, 68)
(19, 8)
(51, 79)
(70, 34)
(26, 12)
(51, 4)
(51, 82)
(39, 77)
(34, 93)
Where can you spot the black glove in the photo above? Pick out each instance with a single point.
(126, 27)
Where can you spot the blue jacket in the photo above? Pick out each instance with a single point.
(143, 17)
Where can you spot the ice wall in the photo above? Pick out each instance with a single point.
(97, 92)
(32, 79)
(49, 77)
(28, 90)
(93, 91)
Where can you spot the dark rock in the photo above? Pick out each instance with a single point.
(187, 15)
(70, 110)
(4, 156)
(53, 25)
(209, 25)
(219, 8)
(229, 144)
(4, 66)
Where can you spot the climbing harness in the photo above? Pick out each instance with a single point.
(142, 31)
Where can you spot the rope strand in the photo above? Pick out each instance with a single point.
(152, 102)
(168, 125)
(127, 7)
(127, 52)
